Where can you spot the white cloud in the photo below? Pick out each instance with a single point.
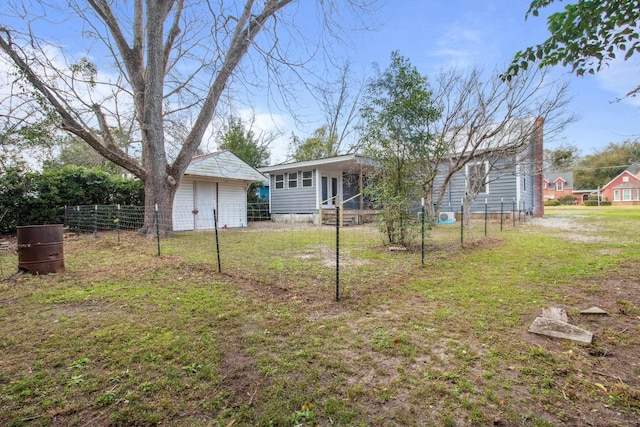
(272, 123)
(459, 47)
(619, 77)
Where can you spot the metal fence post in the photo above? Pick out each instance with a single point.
(485, 217)
(423, 219)
(462, 224)
(157, 228)
(501, 213)
(215, 227)
(118, 222)
(95, 221)
(337, 250)
(513, 213)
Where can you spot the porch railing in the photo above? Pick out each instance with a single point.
(322, 203)
(335, 204)
(342, 207)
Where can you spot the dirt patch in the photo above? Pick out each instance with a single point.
(571, 228)
(240, 377)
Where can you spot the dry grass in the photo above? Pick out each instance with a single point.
(124, 337)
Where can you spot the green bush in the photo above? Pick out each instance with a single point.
(552, 202)
(595, 203)
(33, 198)
(567, 200)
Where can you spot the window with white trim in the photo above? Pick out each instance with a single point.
(616, 195)
(293, 179)
(307, 179)
(280, 181)
(544, 185)
(625, 179)
(559, 186)
(636, 193)
(477, 177)
(626, 195)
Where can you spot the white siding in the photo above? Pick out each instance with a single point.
(205, 196)
(232, 204)
(201, 194)
(183, 206)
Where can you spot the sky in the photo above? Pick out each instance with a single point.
(433, 35)
(436, 35)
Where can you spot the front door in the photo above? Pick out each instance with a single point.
(329, 190)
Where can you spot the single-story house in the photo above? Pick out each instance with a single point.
(306, 191)
(624, 189)
(214, 181)
(502, 179)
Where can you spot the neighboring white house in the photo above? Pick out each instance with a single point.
(214, 181)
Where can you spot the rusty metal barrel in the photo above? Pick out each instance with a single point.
(40, 249)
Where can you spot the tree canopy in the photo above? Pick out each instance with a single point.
(397, 112)
(244, 143)
(562, 158)
(584, 36)
(149, 67)
(322, 144)
(597, 169)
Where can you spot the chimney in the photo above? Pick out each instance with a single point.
(538, 169)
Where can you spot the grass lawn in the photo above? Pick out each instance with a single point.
(125, 337)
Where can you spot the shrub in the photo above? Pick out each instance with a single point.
(28, 198)
(591, 202)
(552, 202)
(567, 200)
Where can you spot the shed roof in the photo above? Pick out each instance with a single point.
(223, 164)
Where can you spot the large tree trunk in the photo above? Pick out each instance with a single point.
(158, 194)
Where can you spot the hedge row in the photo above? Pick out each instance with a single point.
(34, 198)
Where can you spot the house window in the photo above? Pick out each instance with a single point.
(635, 194)
(477, 178)
(279, 181)
(626, 195)
(293, 179)
(544, 185)
(524, 183)
(559, 186)
(307, 180)
(616, 195)
(625, 179)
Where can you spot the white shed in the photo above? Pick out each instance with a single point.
(214, 181)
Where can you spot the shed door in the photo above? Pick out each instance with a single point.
(205, 201)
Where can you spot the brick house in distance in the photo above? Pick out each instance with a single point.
(557, 185)
(624, 189)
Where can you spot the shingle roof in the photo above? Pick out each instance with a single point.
(223, 164)
(566, 176)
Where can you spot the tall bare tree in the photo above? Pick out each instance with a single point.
(339, 101)
(489, 124)
(154, 62)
